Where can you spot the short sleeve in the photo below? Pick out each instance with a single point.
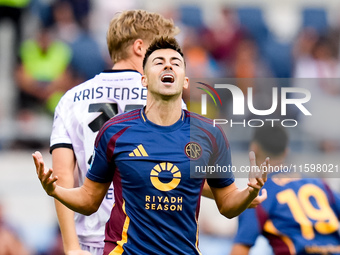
(100, 169)
(334, 199)
(248, 228)
(337, 203)
(221, 160)
(59, 135)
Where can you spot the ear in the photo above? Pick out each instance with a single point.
(144, 81)
(138, 47)
(186, 83)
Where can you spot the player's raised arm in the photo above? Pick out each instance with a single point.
(231, 201)
(85, 199)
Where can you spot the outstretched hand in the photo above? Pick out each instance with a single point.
(257, 178)
(45, 175)
(259, 199)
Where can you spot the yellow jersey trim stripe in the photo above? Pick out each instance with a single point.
(270, 228)
(142, 113)
(197, 235)
(118, 250)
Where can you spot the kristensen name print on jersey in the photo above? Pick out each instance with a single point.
(156, 200)
(117, 93)
(78, 117)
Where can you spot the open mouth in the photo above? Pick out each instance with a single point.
(167, 78)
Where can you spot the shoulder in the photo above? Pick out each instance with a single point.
(70, 94)
(197, 119)
(199, 122)
(125, 118)
(120, 123)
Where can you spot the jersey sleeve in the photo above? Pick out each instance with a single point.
(337, 203)
(248, 228)
(59, 135)
(334, 199)
(101, 170)
(221, 158)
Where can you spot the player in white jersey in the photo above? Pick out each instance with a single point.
(84, 109)
(79, 116)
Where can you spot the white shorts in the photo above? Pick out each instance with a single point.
(92, 250)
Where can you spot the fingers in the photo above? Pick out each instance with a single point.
(264, 194)
(264, 169)
(256, 186)
(47, 180)
(36, 160)
(44, 175)
(258, 173)
(38, 155)
(259, 199)
(264, 176)
(267, 161)
(252, 159)
(39, 164)
(260, 181)
(267, 167)
(262, 197)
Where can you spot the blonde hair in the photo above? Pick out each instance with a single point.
(128, 26)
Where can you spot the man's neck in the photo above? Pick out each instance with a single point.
(129, 63)
(164, 113)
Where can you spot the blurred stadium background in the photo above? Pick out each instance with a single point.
(220, 39)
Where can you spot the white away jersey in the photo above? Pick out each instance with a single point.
(78, 117)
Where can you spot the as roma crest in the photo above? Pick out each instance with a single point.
(193, 150)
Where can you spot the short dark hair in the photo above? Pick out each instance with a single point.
(162, 43)
(273, 139)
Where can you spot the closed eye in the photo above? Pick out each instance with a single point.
(176, 62)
